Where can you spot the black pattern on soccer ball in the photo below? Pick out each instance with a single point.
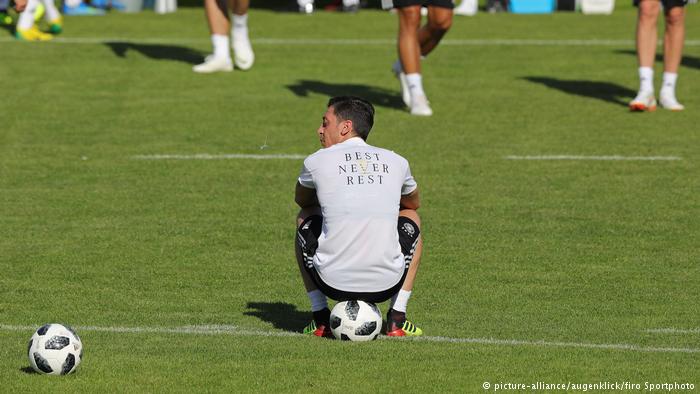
(57, 342)
(374, 308)
(366, 328)
(68, 364)
(42, 330)
(344, 337)
(41, 363)
(335, 322)
(351, 309)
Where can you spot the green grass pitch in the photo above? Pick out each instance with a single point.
(534, 271)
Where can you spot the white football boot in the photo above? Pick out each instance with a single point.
(668, 101)
(243, 56)
(420, 106)
(645, 101)
(401, 76)
(214, 64)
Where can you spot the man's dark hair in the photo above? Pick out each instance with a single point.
(355, 109)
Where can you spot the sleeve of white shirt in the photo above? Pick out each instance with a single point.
(409, 184)
(305, 178)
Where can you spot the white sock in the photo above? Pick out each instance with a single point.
(669, 84)
(220, 44)
(304, 2)
(51, 11)
(646, 79)
(26, 18)
(349, 3)
(400, 300)
(415, 84)
(318, 300)
(239, 28)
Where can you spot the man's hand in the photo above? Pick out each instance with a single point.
(20, 5)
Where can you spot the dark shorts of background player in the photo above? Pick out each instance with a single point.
(667, 3)
(307, 239)
(435, 3)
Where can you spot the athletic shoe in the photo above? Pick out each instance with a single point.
(401, 329)
(466, 8)
(307, 8)
(420, 106)
(322, 330)
(32, 34)
(213, 64)
(56, 26)
(645, 101)
(243, 56)
(82, 9)
(351, 8)
(401, 76)
(668, 101)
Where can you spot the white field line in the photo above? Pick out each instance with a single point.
(206, 156)
(599, 158)
(235, 331)
(353, 41)
(673, 331)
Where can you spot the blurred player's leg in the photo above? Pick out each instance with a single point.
(439, 22)
(53, 17)
(26, 29)
(646, 52)
(674, 36)
(217, 17)
(409, 54)
(243, 56)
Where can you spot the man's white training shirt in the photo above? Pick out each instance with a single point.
(359, 188)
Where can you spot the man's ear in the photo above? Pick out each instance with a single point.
(347, 128)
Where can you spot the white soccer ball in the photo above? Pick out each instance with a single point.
(356, 321)
(55, 349)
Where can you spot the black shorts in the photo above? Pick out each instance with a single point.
(435, 3)
(307, 239)
(667, 3)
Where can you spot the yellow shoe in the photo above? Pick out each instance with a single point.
(56, 26)
(32, 34)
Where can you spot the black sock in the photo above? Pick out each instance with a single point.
(397, 317)
(322, 317)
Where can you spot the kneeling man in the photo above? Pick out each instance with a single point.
(358, 234)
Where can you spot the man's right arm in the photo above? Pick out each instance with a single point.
(305, 197)
(410, 200)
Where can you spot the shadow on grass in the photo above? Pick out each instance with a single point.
(157, 51)
(282, 315)
(377, 96)
(686, 61)
(29, 371)
(606, 91)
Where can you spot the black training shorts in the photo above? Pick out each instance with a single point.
(307, 239)
(435, 3)
(667, 3)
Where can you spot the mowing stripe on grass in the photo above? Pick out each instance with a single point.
(673, 331)
(599, 158)
(351, 41)
(235, 331)
(206, 156)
